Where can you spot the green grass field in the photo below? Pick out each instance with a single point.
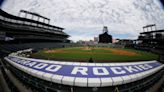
(97, 54)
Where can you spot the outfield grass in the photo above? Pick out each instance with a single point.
(97, 54)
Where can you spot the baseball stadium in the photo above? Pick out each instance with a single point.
(36, 56)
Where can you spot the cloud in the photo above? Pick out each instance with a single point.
(84, 19)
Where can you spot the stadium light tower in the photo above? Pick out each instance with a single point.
(39, 17)
(149, 27)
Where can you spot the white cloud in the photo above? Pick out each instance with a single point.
(84, 19)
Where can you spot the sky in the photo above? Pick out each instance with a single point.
(84, 19)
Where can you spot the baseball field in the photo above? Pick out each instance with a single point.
(98, 54)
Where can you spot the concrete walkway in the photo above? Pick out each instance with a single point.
(16, 82)
(156, 86)
(3, 84)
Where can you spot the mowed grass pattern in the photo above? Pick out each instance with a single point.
(97, 54)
